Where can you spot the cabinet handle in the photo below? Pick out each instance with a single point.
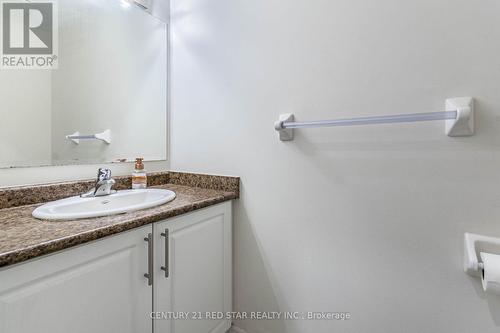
(165, 268)
(149, 274)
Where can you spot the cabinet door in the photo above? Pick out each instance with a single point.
(97, 287)
(199, 271)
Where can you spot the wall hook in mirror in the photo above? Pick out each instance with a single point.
(104, 136)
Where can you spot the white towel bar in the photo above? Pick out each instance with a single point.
(459, 116)
(104, 136)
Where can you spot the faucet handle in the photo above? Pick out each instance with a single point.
(103, 174)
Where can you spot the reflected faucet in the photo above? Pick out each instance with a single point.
(103, 185)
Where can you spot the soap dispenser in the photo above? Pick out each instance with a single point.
(139, 176)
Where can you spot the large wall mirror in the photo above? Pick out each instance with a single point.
(111, 78)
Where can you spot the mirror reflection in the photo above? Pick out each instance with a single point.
(111, 81)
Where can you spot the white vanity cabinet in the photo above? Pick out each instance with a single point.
(97, 287)
(193, 271)
(101, 287)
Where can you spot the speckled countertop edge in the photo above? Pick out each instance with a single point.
(23, 237)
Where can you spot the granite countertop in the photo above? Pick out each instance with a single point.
(23, 237)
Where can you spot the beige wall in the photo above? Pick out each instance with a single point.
(368, 220)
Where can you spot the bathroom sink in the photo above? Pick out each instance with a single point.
(117, 203)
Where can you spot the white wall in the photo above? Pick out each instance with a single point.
(368, 220)
(24, 134)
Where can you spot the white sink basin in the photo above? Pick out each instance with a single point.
(120, 202)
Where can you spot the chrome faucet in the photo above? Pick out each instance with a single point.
(103, 185)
